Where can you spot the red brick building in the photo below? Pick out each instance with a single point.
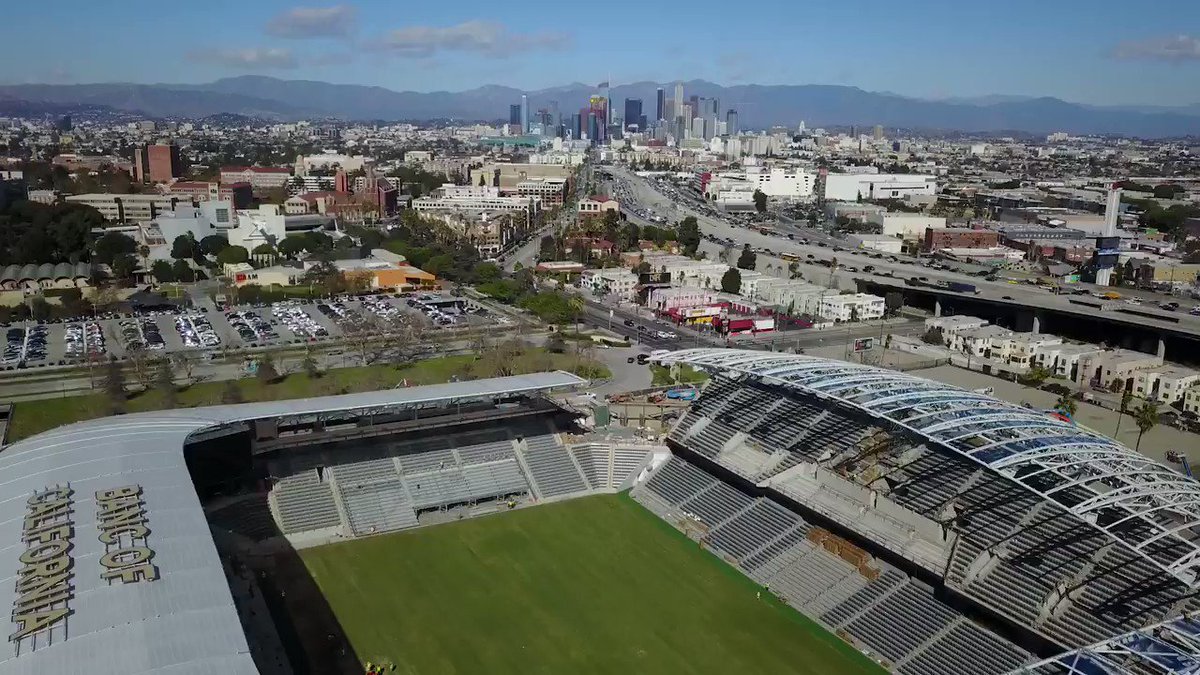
(957, 237)
(157, 163)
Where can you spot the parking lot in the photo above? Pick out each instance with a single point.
(293, 322)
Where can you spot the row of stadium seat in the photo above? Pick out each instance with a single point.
(373, 490)
(893, 616)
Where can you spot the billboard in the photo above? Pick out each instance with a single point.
(654, 278)
(863, 344)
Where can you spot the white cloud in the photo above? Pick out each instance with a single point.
(1172, 49)
(482, 37)
(314, 22)
(246, 59)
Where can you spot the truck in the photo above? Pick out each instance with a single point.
(1111, 295)
(960, 287)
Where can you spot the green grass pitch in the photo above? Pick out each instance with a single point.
(593, 585)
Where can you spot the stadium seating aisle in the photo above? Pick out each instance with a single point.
(303, 502)
(553, 472)
(377, 507)
(875, 604)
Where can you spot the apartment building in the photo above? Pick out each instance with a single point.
(851, 307)
(129, 208)
(259, 177)
(615, 280)
(1165, 384)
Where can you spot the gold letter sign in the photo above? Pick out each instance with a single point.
(121, 517)
(44, 587)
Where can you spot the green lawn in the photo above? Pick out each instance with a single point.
(33, 417)
(593, 585)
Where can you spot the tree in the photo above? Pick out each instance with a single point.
(486, 273)
(291, 246)
(760, 201)
(1126, 399)
(689, 235)
(231, 392)
(748, 260)
(1146, 417)
(113, 384)
(183, 247)
(556, 344)
(110, 245)
(185, 362)
(892, 302)
(183, 271)
(1036, 376)
(234, 255)
(309, 365)
(213, 244)
(266, 372)
(164, 383)
(123, 265)
(731, 281)
(39, 309)
(547, 248)
(933, 336)
(1066, 404)
(162, 271)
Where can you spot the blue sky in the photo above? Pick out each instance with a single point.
(1090, 51)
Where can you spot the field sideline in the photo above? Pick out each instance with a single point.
(592, 585)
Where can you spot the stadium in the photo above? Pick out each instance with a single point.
(930, 529)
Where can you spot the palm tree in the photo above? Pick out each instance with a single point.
(1146, 417)
(1066, 404)
(575, 302)
(1126, 399)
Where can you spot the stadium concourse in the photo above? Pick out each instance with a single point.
(937, 529)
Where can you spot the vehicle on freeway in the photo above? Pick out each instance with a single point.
(683, 394)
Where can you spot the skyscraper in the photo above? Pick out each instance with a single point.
(633, 112)
(679, 99)
(878, 134)
(593, 127)
(524, 114)
(731, 122)
(514, 113)
(662, 100)
(576, 126)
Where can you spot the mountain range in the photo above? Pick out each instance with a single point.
(758, 106)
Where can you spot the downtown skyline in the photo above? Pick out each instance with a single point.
(931, 50)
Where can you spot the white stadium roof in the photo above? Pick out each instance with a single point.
(173, 612)
(1139, 503)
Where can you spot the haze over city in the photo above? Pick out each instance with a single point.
(928, 48)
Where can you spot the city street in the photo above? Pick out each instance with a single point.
(771, 263)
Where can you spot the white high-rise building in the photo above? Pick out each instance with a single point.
(679, 100)
(524, 114)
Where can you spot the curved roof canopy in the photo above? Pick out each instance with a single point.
(1141, 504)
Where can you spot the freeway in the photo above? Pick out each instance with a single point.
(717, 232)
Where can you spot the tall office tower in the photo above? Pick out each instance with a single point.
(698, 128)
(878, 134)
(593, 127)
(731, 122)
(157, 163)
(660, 96)
(853, 131)
(643, 123)
(633, 112)
(678, 99)
(524, 114)
(576, 126)
(514, 113)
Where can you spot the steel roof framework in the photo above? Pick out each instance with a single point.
(1170, 647)
(1009, 439)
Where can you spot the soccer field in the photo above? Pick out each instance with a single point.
(593, 585)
